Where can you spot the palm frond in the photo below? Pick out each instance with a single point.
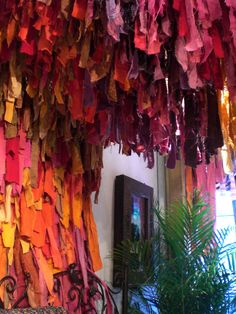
(184, 263)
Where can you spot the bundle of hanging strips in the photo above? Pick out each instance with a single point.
(77, 75)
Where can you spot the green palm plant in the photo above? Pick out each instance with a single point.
(187, 267)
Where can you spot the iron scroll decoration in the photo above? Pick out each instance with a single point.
(75, 292)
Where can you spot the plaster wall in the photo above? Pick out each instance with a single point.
(116, 164)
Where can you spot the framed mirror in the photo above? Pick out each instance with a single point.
(133, 217)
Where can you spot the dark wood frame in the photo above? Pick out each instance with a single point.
(125, 187)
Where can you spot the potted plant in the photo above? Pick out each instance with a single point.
(187, 265)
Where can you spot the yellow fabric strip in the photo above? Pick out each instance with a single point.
(9, 111)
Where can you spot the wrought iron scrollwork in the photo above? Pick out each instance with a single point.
(76, 293)
(84, 298)
(81, 297)
(24, 293)
(10, 287)
(75, 275)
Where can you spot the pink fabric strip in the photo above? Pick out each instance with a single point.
(194, 41)
(214, 9)
(2, 160)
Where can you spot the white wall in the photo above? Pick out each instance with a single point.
(116, 164)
